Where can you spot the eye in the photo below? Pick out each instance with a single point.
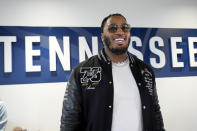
(126, 27)
(112, 28)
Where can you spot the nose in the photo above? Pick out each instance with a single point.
(119, 31)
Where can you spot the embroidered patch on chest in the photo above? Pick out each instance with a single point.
(90, 76)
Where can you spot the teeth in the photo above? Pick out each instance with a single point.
(119, 39)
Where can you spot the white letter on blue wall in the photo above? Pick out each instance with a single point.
(84, 48)
(137, 40)
(192, 51)
(158, 52)
(29, 53)
(7, 40)
(175, 51)
(55, 50)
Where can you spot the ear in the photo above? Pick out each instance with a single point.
(102, 36)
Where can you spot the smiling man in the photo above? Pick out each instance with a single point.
(112, 91)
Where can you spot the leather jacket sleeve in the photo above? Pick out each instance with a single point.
(157, 116)
(71, 111)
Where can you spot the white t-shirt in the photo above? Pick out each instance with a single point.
(127, 114)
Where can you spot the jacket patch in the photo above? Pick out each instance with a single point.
(91, 76)
(148, 78)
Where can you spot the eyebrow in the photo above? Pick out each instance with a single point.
(115, 24)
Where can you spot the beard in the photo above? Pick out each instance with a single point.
(117, 51)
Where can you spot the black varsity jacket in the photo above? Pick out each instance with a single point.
(88, 100)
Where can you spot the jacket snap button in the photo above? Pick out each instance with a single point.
(144, 107)
(110, 106)
(139, 84)
(110, 82)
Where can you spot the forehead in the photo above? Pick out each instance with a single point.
(116, 20)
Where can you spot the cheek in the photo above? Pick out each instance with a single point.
(128, 35)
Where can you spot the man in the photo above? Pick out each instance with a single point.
(112, 91)
(3, 116)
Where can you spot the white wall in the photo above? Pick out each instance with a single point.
(37, 107)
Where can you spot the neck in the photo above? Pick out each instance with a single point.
(116, 58)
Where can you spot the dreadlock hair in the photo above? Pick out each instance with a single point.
(106, 18)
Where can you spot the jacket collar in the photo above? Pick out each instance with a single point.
(102, 56)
